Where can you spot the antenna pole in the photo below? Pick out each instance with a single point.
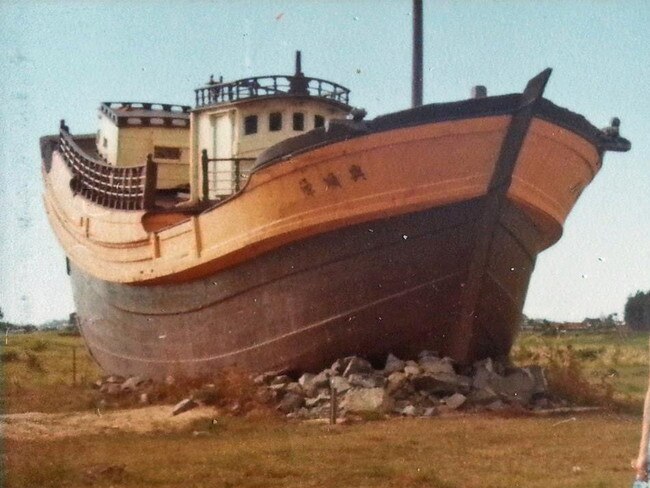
(416, 97)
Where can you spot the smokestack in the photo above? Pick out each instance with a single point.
(416, 97)
(298, 63)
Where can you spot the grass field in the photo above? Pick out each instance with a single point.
(447, 451)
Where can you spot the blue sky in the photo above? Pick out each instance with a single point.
(61, 59)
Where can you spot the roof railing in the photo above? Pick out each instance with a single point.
(171, 116)
(125, 188)
(269, 86)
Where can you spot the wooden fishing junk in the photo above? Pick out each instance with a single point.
(264, 229)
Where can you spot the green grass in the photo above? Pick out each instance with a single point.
(36, 373)
(582, 451)
(606, 361)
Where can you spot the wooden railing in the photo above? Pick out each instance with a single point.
(125, 188)
(215, 93)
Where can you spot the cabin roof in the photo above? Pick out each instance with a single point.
(272, 86)
(144, 114)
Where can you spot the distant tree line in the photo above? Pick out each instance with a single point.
(637, 311)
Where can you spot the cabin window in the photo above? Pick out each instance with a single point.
(319, 121)
(105, 143)
(275, 121)
(298, 121)
(162, 152)
(250, 124)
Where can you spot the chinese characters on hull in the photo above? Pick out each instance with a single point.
(332, 181)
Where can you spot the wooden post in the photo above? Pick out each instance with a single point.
(150, 182)
(74, 366)
(237, 175)
(204, 175)
(333, 405)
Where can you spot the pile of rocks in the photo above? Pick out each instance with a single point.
(425, 387)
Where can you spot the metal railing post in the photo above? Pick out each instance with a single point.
(237, 175)
(204, 175)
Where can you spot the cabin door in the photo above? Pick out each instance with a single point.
(222, 183)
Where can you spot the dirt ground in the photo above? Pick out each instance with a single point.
(44, 426)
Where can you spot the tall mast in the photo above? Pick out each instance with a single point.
(416, 93)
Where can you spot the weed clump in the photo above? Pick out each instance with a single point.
(567, 379)
(9, 356)
(34, 362)
(39, 345)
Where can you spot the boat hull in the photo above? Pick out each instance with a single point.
(387, 286)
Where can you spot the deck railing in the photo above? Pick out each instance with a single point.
(222, 182)
(262, 86)
(126, 188)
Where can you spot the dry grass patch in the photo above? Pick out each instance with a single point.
(605, 369)
(447, 452)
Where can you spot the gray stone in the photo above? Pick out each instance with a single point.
(264, 378)
(542, 403)
(455, 401)
(411, 368)
(441, 383)
(321, 399)
(144, 399)
(539, 379)
(132, 383)
(184, 406)
(496, 406)
(366, 380)
(486, 364)
(393, 365)
(294, 387)
(435, 365)
(366, 400)
(306, 380)
(357, 365)
(111, 389)
(518, 386)
(322, 379)
(339, 366)
(290, 402)
(430, 412)
(340, 384)
(395, 381)
(428, 354)
(265, 395)
(114, 379)
(398, 386)
(283, 379)
(409, 411)
(483, 396)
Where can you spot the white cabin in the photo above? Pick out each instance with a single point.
(129, 132)
(234, 122)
